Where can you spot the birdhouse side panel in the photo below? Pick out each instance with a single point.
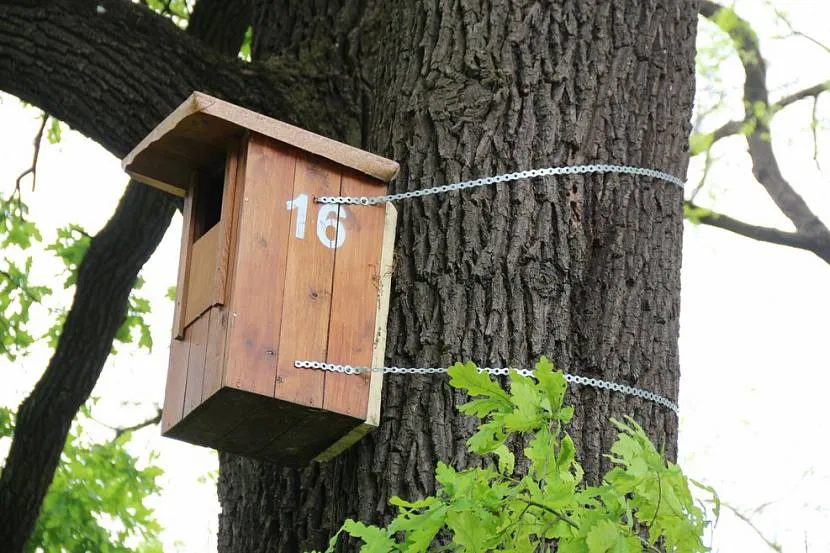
(176, 382)
(194, 375)
(259, 255)
(198, 334)
(313, 241)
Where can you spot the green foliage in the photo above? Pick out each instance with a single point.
(95, 502)
(694, 214)
(177, 10)
(700, 142)
(54, 131)
(644, 503)
(245, 50)
(17, 293)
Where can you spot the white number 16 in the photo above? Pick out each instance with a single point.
(328, 218)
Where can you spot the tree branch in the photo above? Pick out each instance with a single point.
(223, 24)
(105, 278)
(116, 254)
(70, 59)
(756, 232)
(736, 126)
(758, 111)
(121, 430)
(35, 154)
(810, 92)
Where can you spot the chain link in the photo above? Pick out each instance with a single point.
(506, 177)
(571, 378)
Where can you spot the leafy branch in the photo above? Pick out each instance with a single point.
(643, 503)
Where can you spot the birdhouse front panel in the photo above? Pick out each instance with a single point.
(268, 277)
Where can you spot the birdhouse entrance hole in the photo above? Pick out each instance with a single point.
(208, 207)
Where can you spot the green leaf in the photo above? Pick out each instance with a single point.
(170, 294)
(507, 461)
(467, 377)
(53, 134)
(376, 539)
(469, 531)
(526, 414)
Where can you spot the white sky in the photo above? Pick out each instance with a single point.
(753, 335)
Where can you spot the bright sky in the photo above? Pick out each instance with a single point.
(753, 329)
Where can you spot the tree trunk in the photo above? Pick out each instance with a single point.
(584, 269)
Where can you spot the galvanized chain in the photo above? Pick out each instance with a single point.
(571, 378)
(506, 177)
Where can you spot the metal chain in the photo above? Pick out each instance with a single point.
(571, 378)
(506, 177)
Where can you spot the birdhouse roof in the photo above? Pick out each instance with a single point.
(197, 134)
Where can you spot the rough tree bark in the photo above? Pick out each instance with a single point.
(583, 269)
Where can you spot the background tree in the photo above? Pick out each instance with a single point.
(585, 270)
(756, 127)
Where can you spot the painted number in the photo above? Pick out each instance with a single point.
(329, 231)
(300, 203)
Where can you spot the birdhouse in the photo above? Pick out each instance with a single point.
(268, 277)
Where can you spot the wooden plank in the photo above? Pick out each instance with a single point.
(202, 274)
(372, 418)
(259, 268)
(215, 354)
(184, 265)
(310, 434)
(227, 224)
(198, 335)
(354, 300)
(308, 285)
(210, 122)
(175, 388)
(387, 268)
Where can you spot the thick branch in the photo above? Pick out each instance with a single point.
(758, 111)
(756, 232)
(71, 59)
(222, 24)
(105, 278)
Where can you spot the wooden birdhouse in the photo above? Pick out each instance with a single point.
(267, 277)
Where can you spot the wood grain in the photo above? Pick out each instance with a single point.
(387, 268)
(354, 300)
(202, 274)
(227, 224)
(184, 266)
(202, 125)
(197, 334)
(259, 268)
(373, 402)
(215, 353)
(176, 381)
(308, 286)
